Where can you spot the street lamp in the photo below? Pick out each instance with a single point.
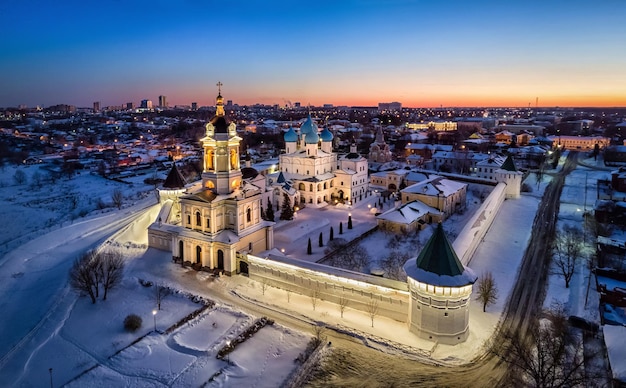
(154, 313)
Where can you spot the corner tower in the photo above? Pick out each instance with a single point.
(441, 290)
(221, 170)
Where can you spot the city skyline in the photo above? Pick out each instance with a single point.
(353, 53)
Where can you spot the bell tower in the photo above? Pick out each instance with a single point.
(221, 168)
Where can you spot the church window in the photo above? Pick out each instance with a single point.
(208, 222)
(248, 215)
(198, 219)
(307, 172)
(188, 219)
(250, 246)
(311, 187)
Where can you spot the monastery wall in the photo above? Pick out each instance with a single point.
(468, 239)
(330, 284)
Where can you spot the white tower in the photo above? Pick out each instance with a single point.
(441, 290)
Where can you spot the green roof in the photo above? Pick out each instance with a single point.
(508, 164)
(438, 256)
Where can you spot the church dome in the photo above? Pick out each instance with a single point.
(326, 135)
(312, 137)
(291, 136)
(220, 124)
(249, 173)
(308, 126)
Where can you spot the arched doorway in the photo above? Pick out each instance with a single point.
(243, 267)
(181, 252)
(198, 254)
(220, 259)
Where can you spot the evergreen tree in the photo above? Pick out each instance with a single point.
(332, 234)
(269, 212)
(350, 221)
(340, 228)
(286, 212)
(309, 249)
(321, 242)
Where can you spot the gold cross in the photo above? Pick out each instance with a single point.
(219, 87)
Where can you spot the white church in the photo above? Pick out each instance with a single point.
(320, 175)
(209, 224)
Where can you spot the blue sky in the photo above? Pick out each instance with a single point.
(421, 53)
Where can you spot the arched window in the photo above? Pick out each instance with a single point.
(311, 187)
(301, 187)
(198, 254)
(208, 222)
(248, 215)
(198, 219)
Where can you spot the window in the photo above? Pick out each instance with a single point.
(188, 219)
(208, 222)
(198, 219)
(248, 215)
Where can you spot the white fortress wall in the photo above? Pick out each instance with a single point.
(468, 239)
(390, 296)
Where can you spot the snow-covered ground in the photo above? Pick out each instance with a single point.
(50, 327)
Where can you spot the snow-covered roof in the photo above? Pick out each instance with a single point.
(435, 186)
(408, 213)
(615, 340)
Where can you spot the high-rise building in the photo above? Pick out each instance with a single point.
(96, 107)
(162, 101)
(130, 105)
(146, 104)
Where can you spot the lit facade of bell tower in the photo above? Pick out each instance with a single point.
(221, 168)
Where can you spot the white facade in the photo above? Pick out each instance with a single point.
(320, 176)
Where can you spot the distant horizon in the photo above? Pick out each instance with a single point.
(354, 53)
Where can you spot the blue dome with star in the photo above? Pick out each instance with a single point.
(326, 135)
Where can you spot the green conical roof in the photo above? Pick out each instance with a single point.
(438, 256)
(509, 164)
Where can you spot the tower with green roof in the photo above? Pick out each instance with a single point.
(441, 289)
(508, 174)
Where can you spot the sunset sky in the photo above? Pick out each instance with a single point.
(420, 53)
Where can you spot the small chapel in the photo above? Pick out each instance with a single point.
(209, 224)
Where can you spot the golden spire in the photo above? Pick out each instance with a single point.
(219, 101)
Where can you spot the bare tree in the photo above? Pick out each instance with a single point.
(36, 179)
(117, 197)
(548, 355)
(112, 269)
(393, 265)
(487, 292)
(19, 177)
(352, 257)
(343, 303)
(161, 293)
(319, 333)
(372, 309)
(315, 296)
(82, 277)
(94, 269)
(567, 248)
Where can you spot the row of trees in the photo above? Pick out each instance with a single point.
(95, 273)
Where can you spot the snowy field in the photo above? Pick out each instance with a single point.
(86, 345)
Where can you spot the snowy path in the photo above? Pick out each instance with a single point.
(39, 269)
